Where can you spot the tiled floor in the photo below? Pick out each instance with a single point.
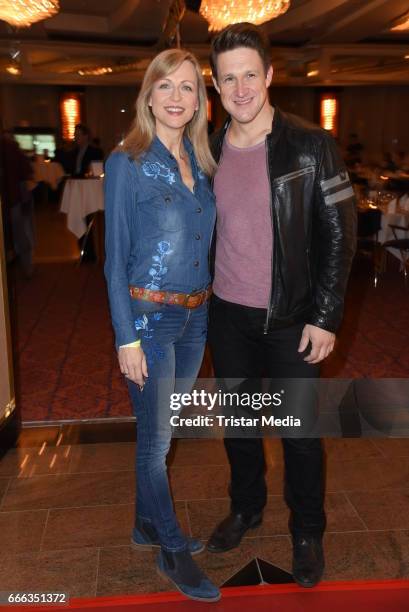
(66, 513)
(54, 242)
(67, 367)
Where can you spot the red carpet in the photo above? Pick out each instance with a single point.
(388, 595)
(67, 366)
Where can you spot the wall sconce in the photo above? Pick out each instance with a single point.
(329, 110)
(70, 110)
(209, 109)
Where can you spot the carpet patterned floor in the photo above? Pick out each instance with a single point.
(67, 367)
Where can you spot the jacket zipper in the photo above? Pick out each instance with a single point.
(292, 175)
(269, 307)
(212, 185)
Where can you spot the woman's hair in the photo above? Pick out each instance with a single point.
(142, 132)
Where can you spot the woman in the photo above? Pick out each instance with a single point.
(160, 215)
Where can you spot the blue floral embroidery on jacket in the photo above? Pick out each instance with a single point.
(155, 169)
(153, 350)
(158, 269)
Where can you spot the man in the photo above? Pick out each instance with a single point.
(81, 157)
(285, 241)
(85, 152)
(17, 202)
(354, 151)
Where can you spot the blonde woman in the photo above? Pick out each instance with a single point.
(160, 213)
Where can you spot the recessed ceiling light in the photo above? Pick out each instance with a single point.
(15, 70)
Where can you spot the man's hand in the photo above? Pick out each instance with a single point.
(132, 362)
(322, 343)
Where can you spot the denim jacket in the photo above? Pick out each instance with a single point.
(158, 232)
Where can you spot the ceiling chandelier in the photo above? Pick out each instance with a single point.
(221, 13)
(22, 13)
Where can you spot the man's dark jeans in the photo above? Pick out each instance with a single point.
(240, 349)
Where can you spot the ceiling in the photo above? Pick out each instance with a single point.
(317, 42)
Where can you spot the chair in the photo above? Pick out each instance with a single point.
(87, 236)
(369, 224)
(400, 243)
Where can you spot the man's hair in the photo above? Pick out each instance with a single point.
(240, 35)
(83, 129)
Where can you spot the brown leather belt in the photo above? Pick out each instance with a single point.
(188, 300)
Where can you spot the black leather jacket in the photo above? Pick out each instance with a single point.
(313, 216)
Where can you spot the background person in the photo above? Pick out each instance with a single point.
(17, 202)
(85, 152)
(80, 160)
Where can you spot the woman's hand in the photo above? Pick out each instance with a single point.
(132, 362)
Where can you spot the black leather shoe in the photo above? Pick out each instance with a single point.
(229, 532)
(308, 560)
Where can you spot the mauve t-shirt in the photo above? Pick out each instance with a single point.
(244, 230)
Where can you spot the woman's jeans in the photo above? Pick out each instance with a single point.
(173, 339)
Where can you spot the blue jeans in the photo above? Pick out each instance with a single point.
(173, 339)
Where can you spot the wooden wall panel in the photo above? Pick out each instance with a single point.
(297, 100)
(103, 113)
(377, 114)
(35, 105)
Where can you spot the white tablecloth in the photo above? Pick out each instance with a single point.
(81, 197)
(399, 218)
(47, 171)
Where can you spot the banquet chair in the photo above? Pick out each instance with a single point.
(369, 224)
(401, 242)
(86, 237)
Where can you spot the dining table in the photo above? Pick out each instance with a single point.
(47, 171)
(395, 211)
(81, 198)
(397, 180)
(398, 218)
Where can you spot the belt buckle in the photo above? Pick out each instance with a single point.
(186, 300)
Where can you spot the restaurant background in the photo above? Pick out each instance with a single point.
(375, 113)
(67, 485)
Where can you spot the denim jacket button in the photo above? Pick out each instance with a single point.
(197, 236)
(198, 210)
(168, 199)
(196, 264)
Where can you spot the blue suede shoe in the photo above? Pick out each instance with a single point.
(187, 577)
(146, 537)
